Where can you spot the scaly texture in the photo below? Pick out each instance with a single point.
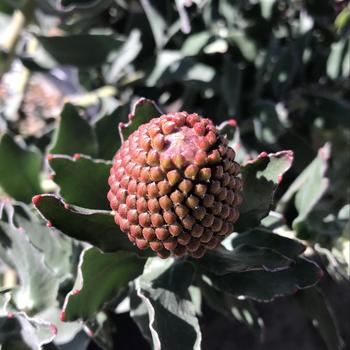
(174, 186)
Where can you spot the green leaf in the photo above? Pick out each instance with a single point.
(284, 71)
(338, 65)
(264, 285)
(267, 126)
(243, 258)
(172, 67)
(231, 85)
(260, 180)
(156, 22)
(308, 188)
(333, 110)
(194, 44)
(247, 46)
(94, 226)
(106, 129)
(315, 306)
(233, 308)
(103, 277)
(169, 314)
(143, 111)
(20, 169)
(74, 134)
(263, 238)
(82, 181)
(38, 283)
(81, 50)
(123, 57)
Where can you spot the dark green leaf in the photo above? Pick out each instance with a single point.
(74, 134)
(231, 85)
(94, 226)
(263, 238)
(264, 285)
(82, 181)
(20, 169)
(314, 304)
(233, 308)
(243, 258)
(284, 71)
(333, 110)
(106, 129)
(104, 275)
(260, 180)
(82, 50)
(143, 111)
(177, 278)
(21, 333)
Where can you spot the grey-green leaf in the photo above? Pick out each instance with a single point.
(38, 282)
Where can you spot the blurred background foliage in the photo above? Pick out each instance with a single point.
(279, 69)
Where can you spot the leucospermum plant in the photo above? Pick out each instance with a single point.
(170, 220)
(156, 219)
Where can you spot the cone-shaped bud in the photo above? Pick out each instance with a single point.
(174, 186)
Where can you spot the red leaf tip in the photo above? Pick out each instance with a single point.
(121, 125)
(232, 122)
(53, 329)
(49, 224)
(50, 156)
(62, 316)
(75, 291)
(36, 199)
(76, 156)
(263, 155)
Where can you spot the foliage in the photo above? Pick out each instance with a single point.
(273, 75)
